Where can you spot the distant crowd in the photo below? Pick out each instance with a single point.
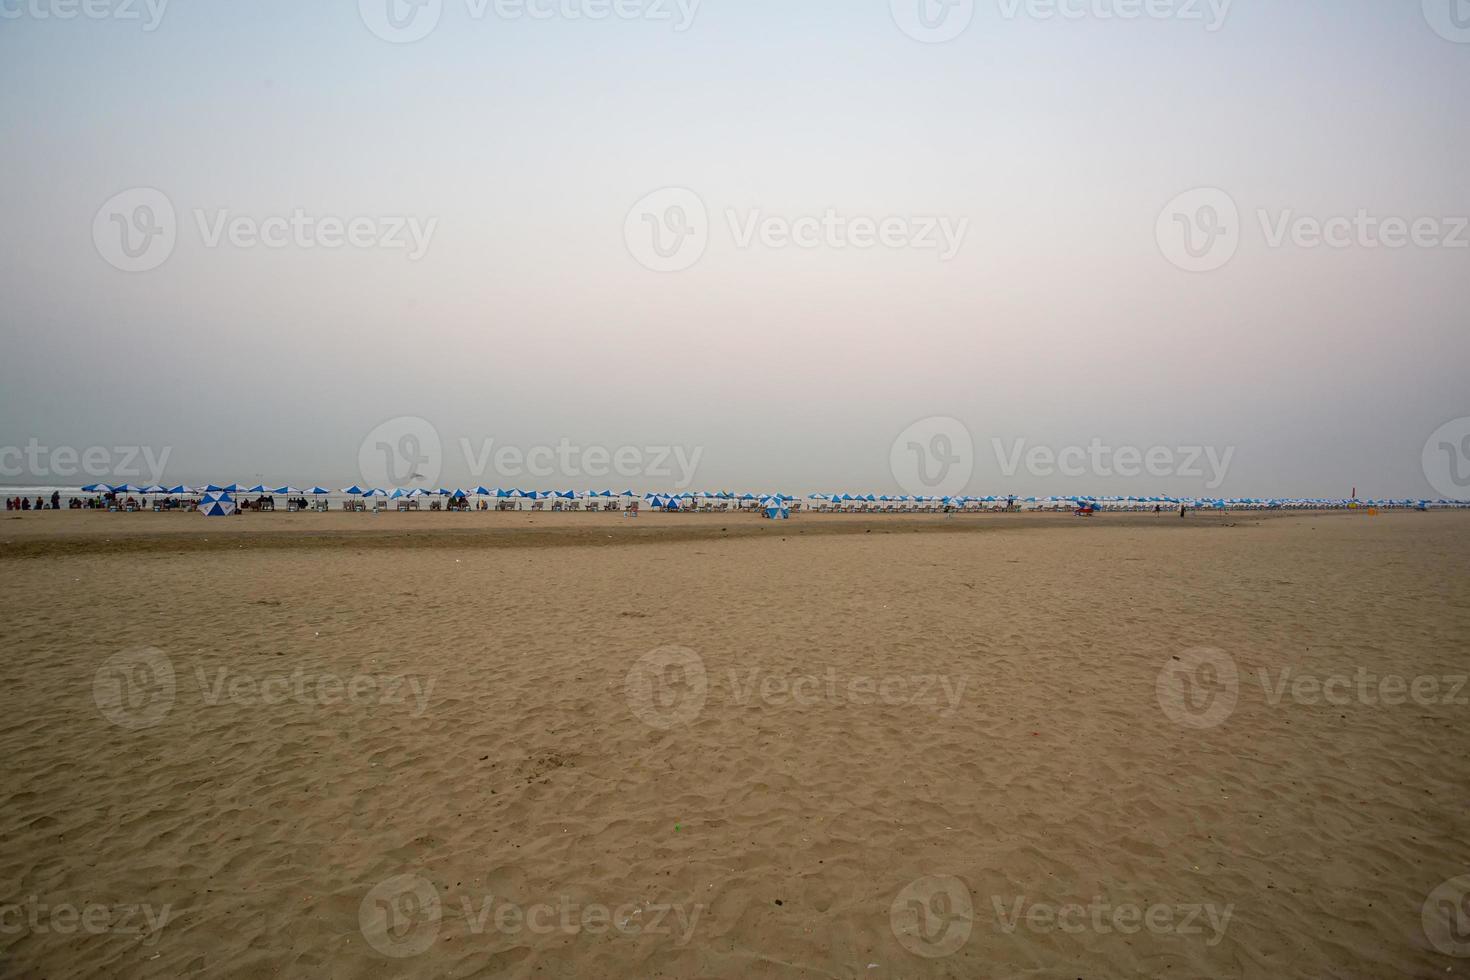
(99, 502)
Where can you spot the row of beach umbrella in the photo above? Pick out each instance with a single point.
(767, 500)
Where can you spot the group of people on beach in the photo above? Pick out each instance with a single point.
(24, 503)
(99, 502)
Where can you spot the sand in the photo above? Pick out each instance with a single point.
(710, 746)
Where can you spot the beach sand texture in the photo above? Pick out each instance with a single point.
(770, 738)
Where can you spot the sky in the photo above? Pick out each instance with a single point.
(972, 246)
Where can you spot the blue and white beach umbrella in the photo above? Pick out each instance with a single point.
(216, 504)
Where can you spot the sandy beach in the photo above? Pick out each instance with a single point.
(712, 746)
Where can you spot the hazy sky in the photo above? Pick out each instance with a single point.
(1002, 249)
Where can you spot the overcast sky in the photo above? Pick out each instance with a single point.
(811, 244)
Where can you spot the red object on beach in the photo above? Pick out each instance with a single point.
(1087, 510)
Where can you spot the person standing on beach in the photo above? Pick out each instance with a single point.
(55, 499)
(1182, 509)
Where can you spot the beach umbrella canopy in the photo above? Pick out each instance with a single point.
(258, 488)
(285, 491)
(355, 490)
(399, 493)
(216, 504)
(319, 491)
(458, 495)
